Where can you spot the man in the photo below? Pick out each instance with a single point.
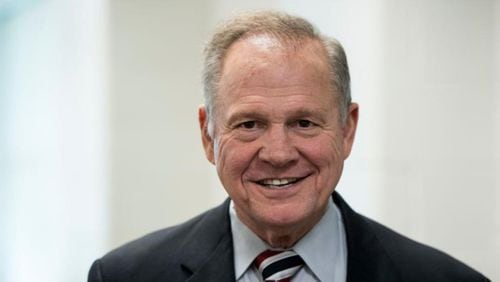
(278, 124)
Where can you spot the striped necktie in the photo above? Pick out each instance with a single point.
(278, 266)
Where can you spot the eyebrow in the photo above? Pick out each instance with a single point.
(306, 112)
(318, 114)
(242, 115)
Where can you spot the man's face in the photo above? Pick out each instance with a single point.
(278, 143)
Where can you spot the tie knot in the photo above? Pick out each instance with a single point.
(278, 265)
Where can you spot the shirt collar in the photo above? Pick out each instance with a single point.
(246, 244)
(324, 247)
(321, 246)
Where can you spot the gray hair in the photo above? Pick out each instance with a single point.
(283, 27)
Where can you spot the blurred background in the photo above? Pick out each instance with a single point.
(99, 141)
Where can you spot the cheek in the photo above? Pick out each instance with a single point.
(324, 151)
(233, 159)
(325, 154)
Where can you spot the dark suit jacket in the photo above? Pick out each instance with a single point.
(202, 250)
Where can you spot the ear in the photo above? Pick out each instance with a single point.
(208, 143)
(349, 129)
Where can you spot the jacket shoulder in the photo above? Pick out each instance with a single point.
(157, 253)
(377, 253)
(418, 262)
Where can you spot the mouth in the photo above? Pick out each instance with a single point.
(279, 183)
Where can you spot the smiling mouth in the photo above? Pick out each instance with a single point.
(279, 183)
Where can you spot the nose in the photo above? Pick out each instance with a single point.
(278, 148)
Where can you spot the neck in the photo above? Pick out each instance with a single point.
(281, 236)
(282, 240)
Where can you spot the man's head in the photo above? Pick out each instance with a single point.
(280, 26)
(278, 122)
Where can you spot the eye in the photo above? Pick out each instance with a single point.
(251, 124)
(303, 123)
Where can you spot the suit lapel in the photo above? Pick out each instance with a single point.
(218, 266)
(366, 259)
(209, 255)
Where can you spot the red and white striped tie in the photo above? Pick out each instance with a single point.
(278, 266)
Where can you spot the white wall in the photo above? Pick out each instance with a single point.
(53, 128)
(439, 182)
(158, 169)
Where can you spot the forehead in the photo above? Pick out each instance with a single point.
(268, 61)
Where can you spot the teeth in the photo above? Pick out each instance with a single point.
(278, 182)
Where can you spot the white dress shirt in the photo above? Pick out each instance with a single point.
(323, 249)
